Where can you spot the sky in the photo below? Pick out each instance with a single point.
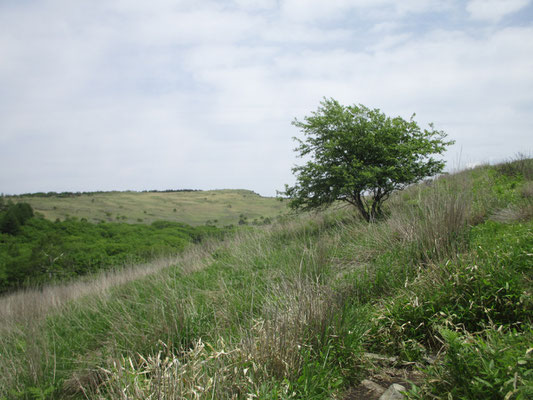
(138, 95)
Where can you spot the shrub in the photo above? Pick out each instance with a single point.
(495, 365)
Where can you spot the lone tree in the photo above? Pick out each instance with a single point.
(360, 156)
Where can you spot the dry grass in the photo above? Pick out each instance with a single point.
(435, 225)
(204, 372)
(519, 165)
(514, 213)
(35, 303)
(428, 220)
(271, 348)
(527, 190)
(23, 314)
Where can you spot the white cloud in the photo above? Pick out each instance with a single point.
(494, 10)
(420, 6)
(311, 10)
(256, 4)
(314, 10)
(284, 33)
(124, 95)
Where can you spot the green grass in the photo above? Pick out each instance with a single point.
(289, 310)
(491, 364)
(217, 207)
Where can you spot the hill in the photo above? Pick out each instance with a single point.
(216, 207)
(437, 297)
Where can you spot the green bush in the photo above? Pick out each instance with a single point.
(13, 216)
(488, 286)
(494, 365)
(43, 251)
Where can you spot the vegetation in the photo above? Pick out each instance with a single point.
(188, 207)
(295, 309)
(35, 251)
(361, 156)
(13, 216)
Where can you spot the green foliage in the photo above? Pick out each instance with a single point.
(44, 251)
(489, 286)
(495, 365)
(361, 156)
(13, 216)
(10, 223)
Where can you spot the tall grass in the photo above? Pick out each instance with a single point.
(36, 303)
(285, 311)
(432, 227)
(203, 294)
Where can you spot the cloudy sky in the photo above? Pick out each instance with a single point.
(131, 94)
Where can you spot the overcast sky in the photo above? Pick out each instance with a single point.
(131, 94)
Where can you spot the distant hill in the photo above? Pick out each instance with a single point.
(213, 207)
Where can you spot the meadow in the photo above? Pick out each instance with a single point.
(436, 296)
(212, 207)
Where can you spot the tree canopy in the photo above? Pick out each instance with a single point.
(12, 216)
(360, 156)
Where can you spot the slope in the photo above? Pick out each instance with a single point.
(299, 309)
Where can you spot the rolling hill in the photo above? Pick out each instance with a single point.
(216, 207)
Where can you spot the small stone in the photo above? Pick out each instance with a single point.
(373, 387)
(393, 392)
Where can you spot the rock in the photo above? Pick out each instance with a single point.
(393, 392)
(373, 388)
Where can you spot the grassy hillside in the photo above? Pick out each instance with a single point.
(437, 297)
(218, 207)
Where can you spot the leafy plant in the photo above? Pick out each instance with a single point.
(496, 365)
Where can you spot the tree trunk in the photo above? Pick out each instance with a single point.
(362, 208)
